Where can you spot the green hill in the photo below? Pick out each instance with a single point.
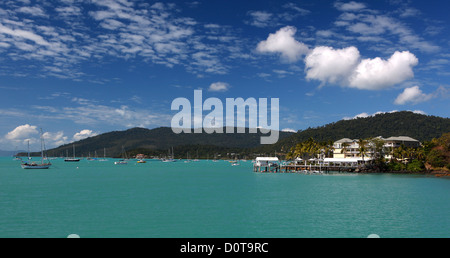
(420, 127)
(158, 141)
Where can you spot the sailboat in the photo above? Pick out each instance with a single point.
(16, 157)
(29, 158)
(104, 156)
(170, 159)
(196, 159)
(34, 165)
(124, 160)
(187, 158)
(235, 162)
(72, 159)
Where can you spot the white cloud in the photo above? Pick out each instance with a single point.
(365, 115)
(93, 115)
(420, 112)
(373, 25)
(289, 130)
(329, 65)
(54, 139)
(344, 67)
(375, 74)
(413, 95)
(300, 11)
(23, 34)
(261, 19)
(284, 43)
(84, 134)
(154, 33)
(33, 11)
(219, 87)
(362, 115)
(22, 132)
(350, 6)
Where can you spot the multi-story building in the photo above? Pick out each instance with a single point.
(348, 148)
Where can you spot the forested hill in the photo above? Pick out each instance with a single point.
(417, 126)
(156, 139)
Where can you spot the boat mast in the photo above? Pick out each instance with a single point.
(28, 149)
(42, 147)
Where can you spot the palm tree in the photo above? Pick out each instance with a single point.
(420, 154)
(344, 148)
(328, 148)
(398, 152)
(377, 146)
(362, 148)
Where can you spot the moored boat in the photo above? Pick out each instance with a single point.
(124, 160)
(72, 159)
(35, 165)
(121, 162)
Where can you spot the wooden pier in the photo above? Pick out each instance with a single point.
(319, 168)
(327, 165)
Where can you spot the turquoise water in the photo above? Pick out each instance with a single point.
(214, 199)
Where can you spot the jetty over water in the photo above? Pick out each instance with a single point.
(272, 165)
(266, 165)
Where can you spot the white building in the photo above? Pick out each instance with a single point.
(347, 148)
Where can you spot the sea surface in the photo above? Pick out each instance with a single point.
(208, 199)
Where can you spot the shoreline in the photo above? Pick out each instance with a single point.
(436, 173)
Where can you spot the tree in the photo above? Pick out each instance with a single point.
(362, 148)
(398, 152)
(420, 154)
(310, 149)
(378, 149)
(344, 147)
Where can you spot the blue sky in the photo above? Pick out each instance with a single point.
(80, 68)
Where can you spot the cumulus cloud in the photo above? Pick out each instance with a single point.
(219, 87)
(330, 65)
(375, 74)
(345, 67)
(22, 132)
(413, 95)
(29, 134)
(84, 134)
(55, 139)
(284, 43)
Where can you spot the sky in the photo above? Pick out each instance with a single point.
(79, 68)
